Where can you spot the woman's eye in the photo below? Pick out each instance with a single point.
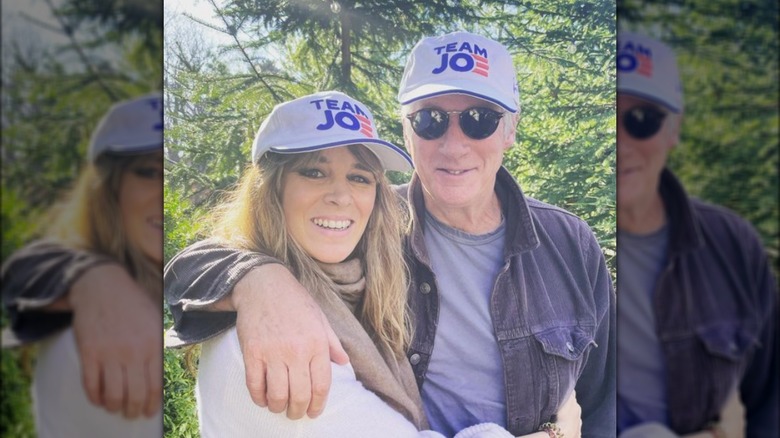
(311, 173)
(361, 179)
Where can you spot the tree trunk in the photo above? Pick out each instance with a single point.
(346, 50)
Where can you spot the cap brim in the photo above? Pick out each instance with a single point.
(467, 87)
(648, 96)
(391, 156)
(133, 149)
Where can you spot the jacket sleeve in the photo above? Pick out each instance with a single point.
(199, 276)
(597, 385)
(761, 381)
(34, 277)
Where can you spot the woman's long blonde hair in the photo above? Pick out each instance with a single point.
(89, 218)
(252, 218)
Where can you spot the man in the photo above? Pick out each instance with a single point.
(698, 303)
(511, 301)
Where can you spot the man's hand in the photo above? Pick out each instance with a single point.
(286, 341)
(118, 331)
(570, 417)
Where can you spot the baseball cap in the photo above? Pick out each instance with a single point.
(129, 127)
(325, 120)
(460, 63)
(647, 68)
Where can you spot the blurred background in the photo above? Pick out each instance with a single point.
(64, 63)
(727, 52)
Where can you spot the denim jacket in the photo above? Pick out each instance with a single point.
(716, 310)
(553, 308)
(553, 311)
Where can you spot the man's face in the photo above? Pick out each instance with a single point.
(457, 171)
(641, 160)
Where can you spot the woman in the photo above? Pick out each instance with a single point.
(95, 274)
(316, 199)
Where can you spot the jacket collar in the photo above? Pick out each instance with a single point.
(520, 230)
(684, 230)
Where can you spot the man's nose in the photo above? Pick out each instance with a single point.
(454, 142)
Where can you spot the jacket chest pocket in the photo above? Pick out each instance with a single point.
(703, 366)
(726, 347)
(564, 352)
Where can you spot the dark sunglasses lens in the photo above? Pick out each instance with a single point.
(643, 122)
(479, 123)
(429, 123)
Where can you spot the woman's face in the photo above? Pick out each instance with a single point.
(327, 204)
(141, 204)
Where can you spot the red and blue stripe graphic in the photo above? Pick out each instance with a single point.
(365, 125)
(644, 64)
(481, 66)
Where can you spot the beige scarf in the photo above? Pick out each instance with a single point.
(376, 367)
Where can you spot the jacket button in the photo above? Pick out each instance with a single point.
(570, 347)
(414, 359)
(425, 288)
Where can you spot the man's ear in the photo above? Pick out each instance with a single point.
(406, 130)
(675, 123)
(510, 130)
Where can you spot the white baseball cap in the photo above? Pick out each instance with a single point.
(647, 68)
(129, 127)
(325, 120)
(460, 63)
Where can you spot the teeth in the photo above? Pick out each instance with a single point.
(455, 172)
(331, 224)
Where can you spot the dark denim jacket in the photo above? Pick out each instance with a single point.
(35, 276)
(553, 310)
(716, 310)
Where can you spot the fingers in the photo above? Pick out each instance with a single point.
(133, 389)
(337, 352)
(136, 390)
(113, 387)
(278, 387)
(300, 392)
(320, 384)
(255, 378)
(90, 379)
(154, 371)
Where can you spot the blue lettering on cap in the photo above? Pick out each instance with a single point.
(461, 58)
(338, 113)
(630, 56)
(156, 104)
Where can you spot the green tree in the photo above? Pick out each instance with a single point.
(563, 50)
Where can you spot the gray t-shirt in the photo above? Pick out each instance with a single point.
(464, 383)
(641, 380)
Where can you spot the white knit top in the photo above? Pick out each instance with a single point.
(61, 407)
(225, 408)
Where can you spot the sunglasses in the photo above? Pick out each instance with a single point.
(477, 123)
(643, 122)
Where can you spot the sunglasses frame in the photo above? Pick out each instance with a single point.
(632, 131)
(446, 121)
